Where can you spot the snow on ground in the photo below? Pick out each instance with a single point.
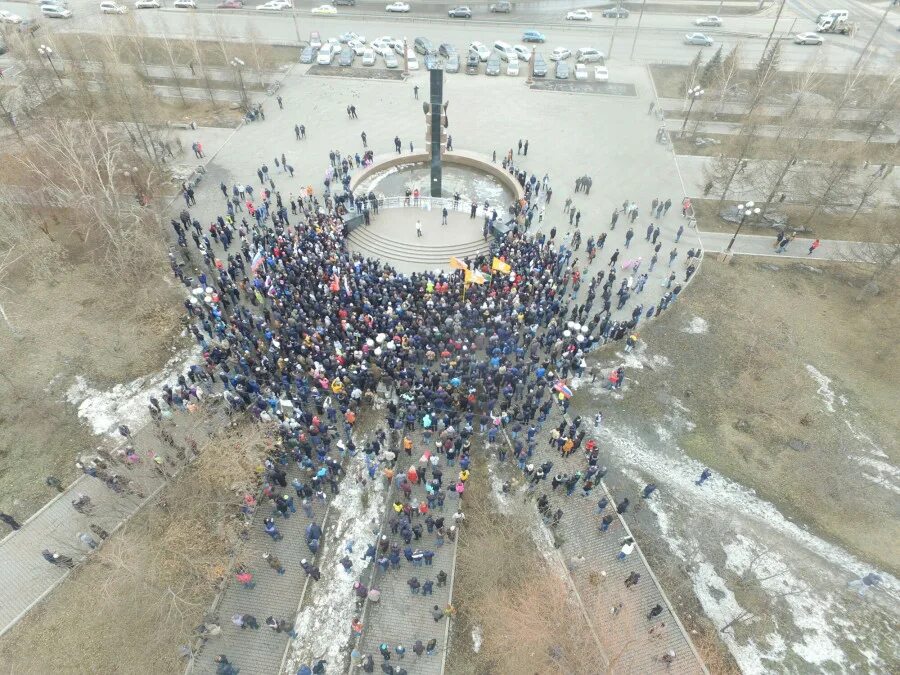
(825, 392)
(323, 625)
(697, 326)
(809, 572)
(477, 638)
(126, 403)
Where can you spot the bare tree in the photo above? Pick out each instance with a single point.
(727, 74)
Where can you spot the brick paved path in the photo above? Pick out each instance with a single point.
(599, 576)
(401, 617)
(25, 578)
(261, 651)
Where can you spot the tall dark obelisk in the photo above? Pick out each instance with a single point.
(436, 121)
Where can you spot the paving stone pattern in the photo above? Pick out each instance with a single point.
(25, 577)
(401, 617)
(262, 650)
(588, 553)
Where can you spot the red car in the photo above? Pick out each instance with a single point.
(231, 4)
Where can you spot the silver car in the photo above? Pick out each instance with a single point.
(698, 39)
(562, 70)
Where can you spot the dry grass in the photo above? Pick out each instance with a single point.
(139, 598)
(764, 147)
(529, 620)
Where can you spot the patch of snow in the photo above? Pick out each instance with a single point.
(873, 448)
(477, 637)
(697, 326)
(323, 625)
(825, 392)
(126, 403)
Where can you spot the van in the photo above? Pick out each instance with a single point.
(835, 14)
(504, 50)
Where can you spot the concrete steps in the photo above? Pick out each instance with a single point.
(368, 241)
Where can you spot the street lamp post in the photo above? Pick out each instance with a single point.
(44, 50)
(238, 64)
(745, 210)
(693, 94)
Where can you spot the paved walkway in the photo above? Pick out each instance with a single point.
(755, 244)
(25, 578)
(402, 617)
(599, 577)
(278, 595)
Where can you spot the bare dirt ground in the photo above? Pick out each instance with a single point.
(780, 378)
(139, 598)
(768, 148)
(81, 325)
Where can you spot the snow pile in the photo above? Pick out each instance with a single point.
(697, 326)
(323, 626)
(875, 462)
(126, 403)
(825, 392)
(477, 637)
(800, 579)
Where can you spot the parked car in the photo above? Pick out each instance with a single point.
(581, 71)
(601, 73)
(184, 4)
(8, 17)
(617, 12)
(357, 47)
(412, 61)
(55, 12)
(708, 21)
(324, 9)
(560, 54)
(493, 65)
(698, 39)
(523, 52)
(512, 67)
(562, 70)
(451, 65)
(480, 49)
(231, 4)
(502, 7)
(588, 55)
(368, 57)
(346, 57)
(273, 6)
(326, 54)
(533, 36)
(423, 46)
(446, 49)
(807, 39)
(390, 60)
(383, 48)
(350, 35)
(315, 40)
(431, 62)
(307, 55)
(540, 66)
(110, 7)
(461, 12)
(579, 15)
(349, 3)
(397, 7)
(146, 4)
(472, 61)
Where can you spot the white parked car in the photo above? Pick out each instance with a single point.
(808, 39)
(411, 60)
(523, 52)
(698, 39)
(55, 12)
(326, 54)
(560, 54)
(273, 6)
(382, 47)
(146, 4)
(397, 7)
(9, 17)
(184, 4)
(581, 72)
(350, 35)
(512, 67)
(109, 7)
(601, 73)
(358, 47)
(579, 15)
(368, 57)
(324, 9)
(708, 21)
(481, 49)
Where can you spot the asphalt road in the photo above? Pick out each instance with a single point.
(659, 40)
